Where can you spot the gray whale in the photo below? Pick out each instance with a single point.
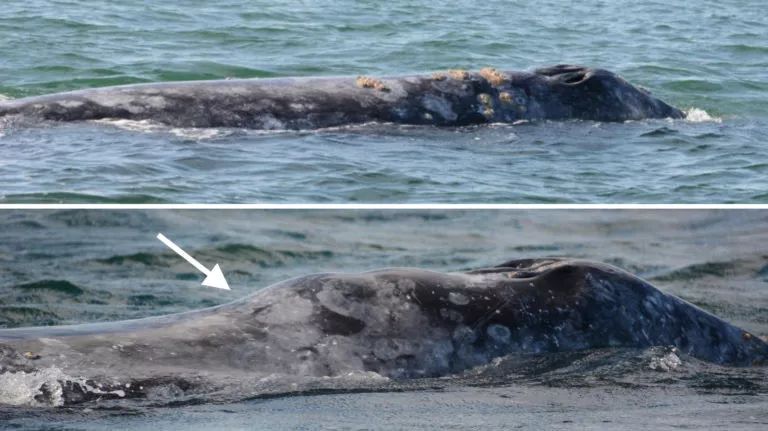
(453, 98)
(400, 323)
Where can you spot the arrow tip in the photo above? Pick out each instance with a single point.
(216, 279)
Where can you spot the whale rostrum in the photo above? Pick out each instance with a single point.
(452, 98)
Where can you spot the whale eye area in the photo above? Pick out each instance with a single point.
(560, 69)
(573, 78)
(519, 268)
(566, 73)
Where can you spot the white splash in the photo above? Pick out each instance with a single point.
(149, 126)
(668, 362)
(20, 388)
(133, 125)
(4, 97)
(696, 115)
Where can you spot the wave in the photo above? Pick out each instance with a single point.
(13, 316)
(57, 286)
(233, 252)
(696, 115)
(699, 270)
(75, 198)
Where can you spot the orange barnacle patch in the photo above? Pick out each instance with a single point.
(460, 74)
(493, 76)
(368, 82)
(506, 97)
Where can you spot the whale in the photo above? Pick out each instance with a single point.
(451, 98)
(397, 323)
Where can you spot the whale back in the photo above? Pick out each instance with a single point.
(453, 98)
(399, 323)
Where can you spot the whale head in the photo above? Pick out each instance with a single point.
(600, 95)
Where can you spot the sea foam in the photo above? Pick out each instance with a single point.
(696, 115)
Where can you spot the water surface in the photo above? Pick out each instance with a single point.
(711, 58)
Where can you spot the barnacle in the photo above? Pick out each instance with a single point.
(493, 76)
(487, 101)
(368, 82)
(31, 355)
(459, 74)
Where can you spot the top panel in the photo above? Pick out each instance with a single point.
(403, 102)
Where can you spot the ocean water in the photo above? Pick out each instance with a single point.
(710, 59)
(71, 266)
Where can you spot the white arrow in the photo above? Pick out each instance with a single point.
(213, 278)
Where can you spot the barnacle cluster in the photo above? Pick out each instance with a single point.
(368, 82)
(460, 74)
(493, 76)
(486, 101)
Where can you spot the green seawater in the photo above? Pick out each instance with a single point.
(710, 58)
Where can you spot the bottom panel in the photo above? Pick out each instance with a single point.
(399, 319)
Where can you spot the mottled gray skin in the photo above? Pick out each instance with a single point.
(400, 323)
(555, 93)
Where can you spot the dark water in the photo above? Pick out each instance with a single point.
(710, 59)
(69, 266)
